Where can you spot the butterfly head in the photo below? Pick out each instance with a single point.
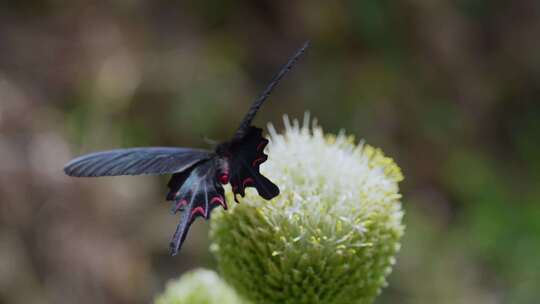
(223, 149)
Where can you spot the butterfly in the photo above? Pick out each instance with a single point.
(198, 176)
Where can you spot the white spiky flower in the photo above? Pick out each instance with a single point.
(198, 287)
(332, 233)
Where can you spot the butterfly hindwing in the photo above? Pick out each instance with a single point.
(136, 161)
(194, 193)
(246, 156)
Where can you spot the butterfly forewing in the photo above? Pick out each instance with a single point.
(136, 161)
(245, 125)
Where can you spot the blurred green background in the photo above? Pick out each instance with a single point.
(450, 89)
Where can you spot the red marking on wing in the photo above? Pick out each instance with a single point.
(259, 160)
(262, 145)
(180, 204)
(247, 181)
(219, 200)
(224, 178)
(199, 210)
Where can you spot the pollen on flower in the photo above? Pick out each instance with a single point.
(339, 212)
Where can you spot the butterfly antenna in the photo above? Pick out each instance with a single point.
(246, 123)
(210, 141)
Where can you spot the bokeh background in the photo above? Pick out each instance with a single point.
(450, 89)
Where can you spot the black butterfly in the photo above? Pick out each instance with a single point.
(197, 175)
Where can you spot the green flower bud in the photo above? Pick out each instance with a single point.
(329, 237)
(198, 287)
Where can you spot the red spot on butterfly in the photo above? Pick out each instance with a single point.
(180, 204)
(262, 145)
(224, 178)
(219, 200)
(259, 160)
(248, 181)
(199, 210)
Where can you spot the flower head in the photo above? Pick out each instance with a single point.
(332, 233)
(198, 287)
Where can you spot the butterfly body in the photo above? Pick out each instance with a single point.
(198, 176)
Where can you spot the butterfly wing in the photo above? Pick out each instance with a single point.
(246, 156)
(246, 122)
(136, 161)
(246, 149)
(194, 193)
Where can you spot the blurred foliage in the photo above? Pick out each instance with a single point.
(449, 89)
